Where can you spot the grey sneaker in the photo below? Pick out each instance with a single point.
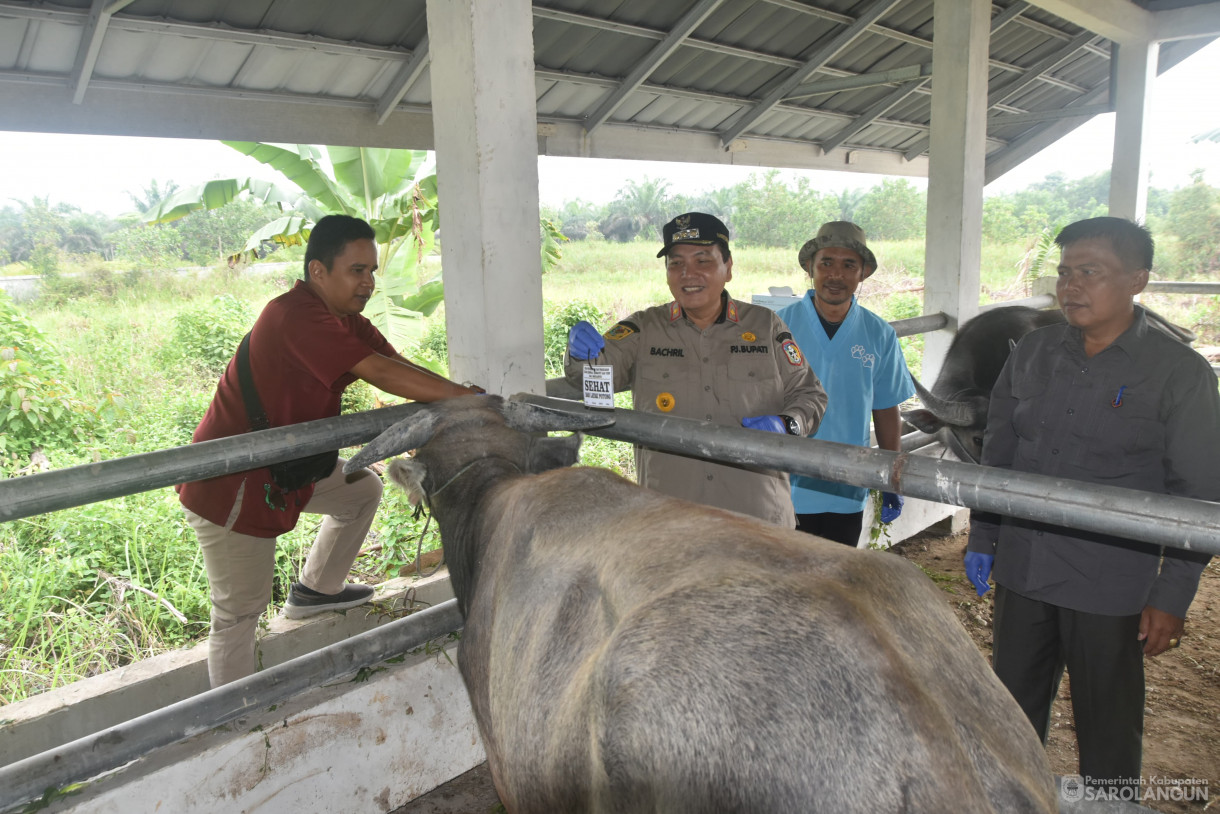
(303, 602)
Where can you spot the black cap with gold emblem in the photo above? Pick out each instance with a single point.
(695, 227)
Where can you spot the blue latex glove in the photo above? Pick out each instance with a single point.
(767, 423)
(891, 507)
(584, 341)
(978, 570)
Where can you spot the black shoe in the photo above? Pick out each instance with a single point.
(303, 602)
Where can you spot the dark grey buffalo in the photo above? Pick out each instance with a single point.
(625, 651)
(955, 409)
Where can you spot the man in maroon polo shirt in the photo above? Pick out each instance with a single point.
(305, 348)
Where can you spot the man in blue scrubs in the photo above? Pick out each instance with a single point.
(857, 356)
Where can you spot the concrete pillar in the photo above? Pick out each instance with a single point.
(1131, 78)
(485, 124)
(960, 36)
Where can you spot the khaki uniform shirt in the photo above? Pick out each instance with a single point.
(744, 364)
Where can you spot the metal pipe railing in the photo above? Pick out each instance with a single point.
(1176, 287)
(89, 483)
(90, 756)
(1168, 520)
(920, 325)
(1036, 301)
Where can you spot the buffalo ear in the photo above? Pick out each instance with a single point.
(923, 420)
(408, 473)
(554, 453)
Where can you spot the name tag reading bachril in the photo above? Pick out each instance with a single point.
(599, 386)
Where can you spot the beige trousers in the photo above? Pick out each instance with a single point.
(241, 568)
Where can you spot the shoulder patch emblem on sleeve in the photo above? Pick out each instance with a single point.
(793, 353)
(621, 330)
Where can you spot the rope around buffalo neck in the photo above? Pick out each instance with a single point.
(463, 471)
(419, 544)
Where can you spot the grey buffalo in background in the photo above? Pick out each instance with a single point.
(955, 409)
(625, 651)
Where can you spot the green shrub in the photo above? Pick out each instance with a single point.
(38, 411)
(16, 331)
(208, 336)
(358, 397)
(73, 585)
(433, 347)
(557, 320)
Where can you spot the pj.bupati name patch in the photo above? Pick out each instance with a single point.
(749, 349)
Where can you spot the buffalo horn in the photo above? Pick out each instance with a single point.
(527, 417)
(955, 413)
(410, 433)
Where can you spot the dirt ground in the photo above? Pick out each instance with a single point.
(1182, 711)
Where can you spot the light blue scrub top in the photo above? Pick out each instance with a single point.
(862, 370)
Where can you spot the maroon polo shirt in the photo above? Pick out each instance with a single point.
(301, 357)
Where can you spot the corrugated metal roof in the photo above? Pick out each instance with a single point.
(720, 74)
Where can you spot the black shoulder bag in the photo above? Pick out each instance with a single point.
(289, 475)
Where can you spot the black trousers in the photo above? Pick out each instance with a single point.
(841, 528)
(1034, 641)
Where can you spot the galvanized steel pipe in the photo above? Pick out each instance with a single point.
(89, 483)
(1168, 520)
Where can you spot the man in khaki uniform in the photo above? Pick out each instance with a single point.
(709, 357)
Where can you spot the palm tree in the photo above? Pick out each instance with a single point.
(849, 201)
(646, 201)
(152, 195)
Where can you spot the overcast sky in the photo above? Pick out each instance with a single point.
(96, 172)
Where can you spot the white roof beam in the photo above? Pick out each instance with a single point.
(1043, 66)
(403, 80)
(1117, 20)
(1036, 72)
(1034, 142)
(205, 31)
(864, 80)
(1028, 145)
(91, 44)
(873, 113)
(1190, 21)
(879, 109)
(823, 55)
(660, 52)
(1007, 15)
(1032, 117)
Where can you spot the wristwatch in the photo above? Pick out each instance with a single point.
(791, 424)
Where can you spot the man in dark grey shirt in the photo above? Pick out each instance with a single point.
(1104, 399)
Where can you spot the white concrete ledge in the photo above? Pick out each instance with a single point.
(358, 745)
(84, 707)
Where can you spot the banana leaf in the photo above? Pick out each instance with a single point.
(290, 230)
(215, 194)
(302, 166)
(370, 173)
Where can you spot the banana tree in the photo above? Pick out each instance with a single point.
(384, 187)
